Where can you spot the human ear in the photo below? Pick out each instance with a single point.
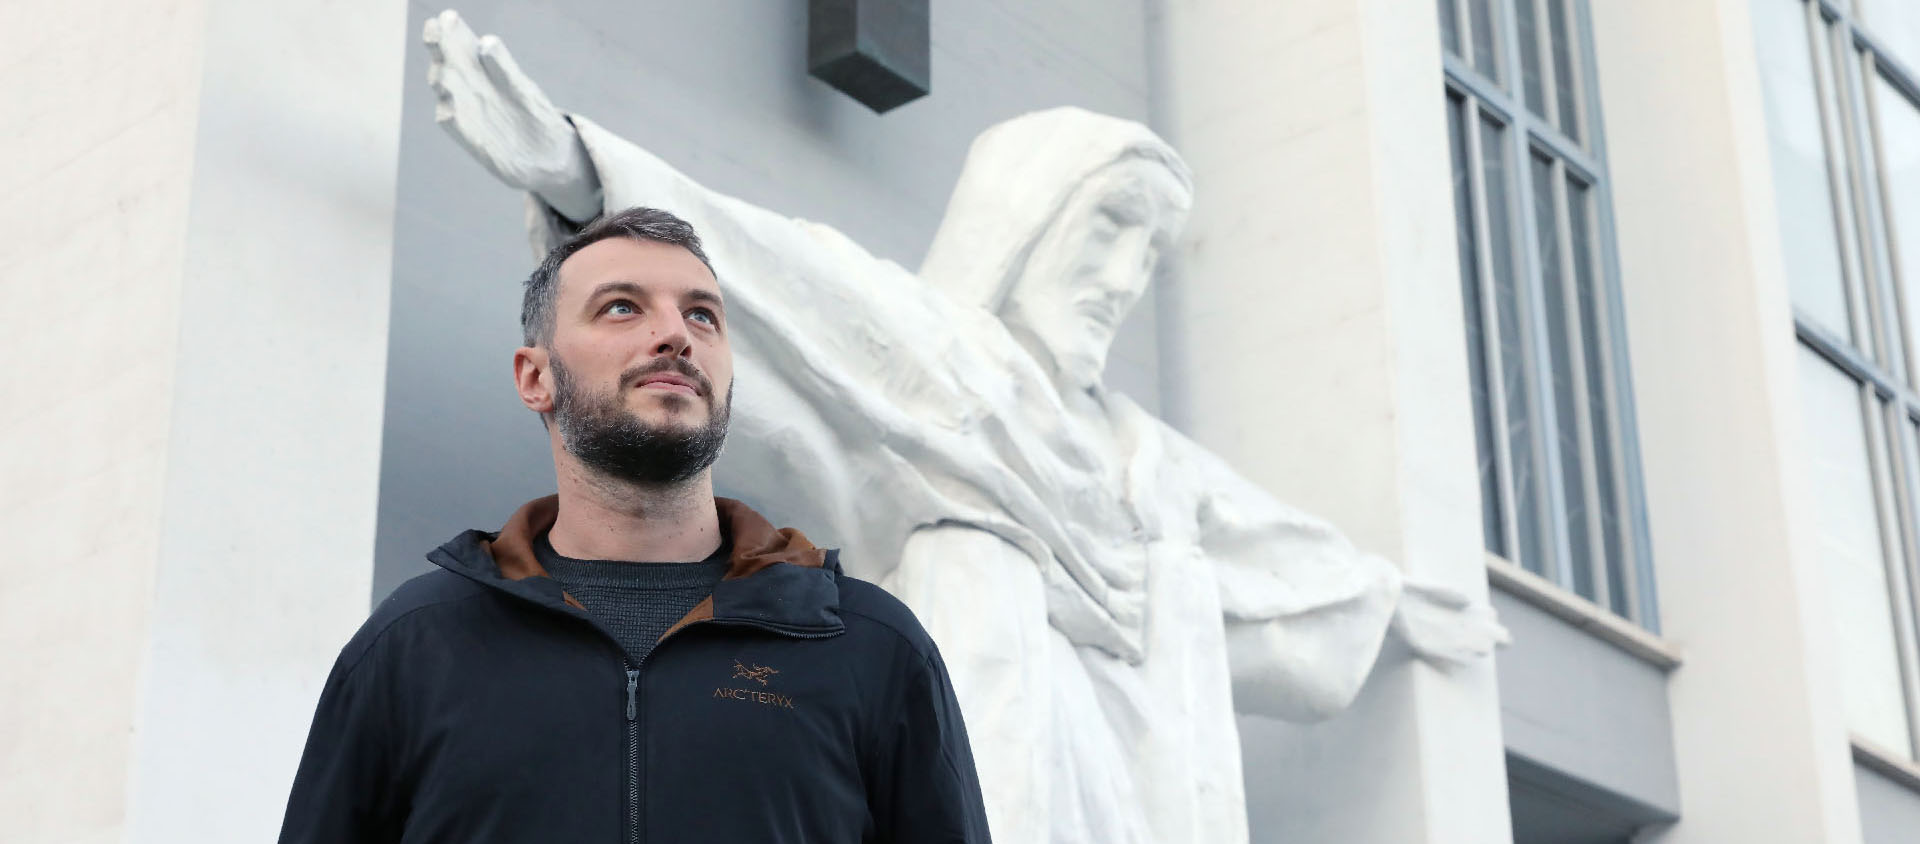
(532, 379)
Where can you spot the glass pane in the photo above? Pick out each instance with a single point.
(1492, 520)
(1851, 555)
(1530, 82)
(1563, 76)
(1449, 27)
(1900, 178)
(1896, 24)
(1587, 291)
(1803, 195)
(1514, 355)
(1561, 383)
(1484, 26)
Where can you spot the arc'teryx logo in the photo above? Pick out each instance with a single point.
(757, 672)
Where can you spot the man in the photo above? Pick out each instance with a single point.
(634, 659)
(1107, 592)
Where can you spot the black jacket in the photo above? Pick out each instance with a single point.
(481, 703)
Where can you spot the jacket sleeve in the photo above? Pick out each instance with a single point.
(344, 790)
(928, 791)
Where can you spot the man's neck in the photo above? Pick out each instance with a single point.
(603, 519)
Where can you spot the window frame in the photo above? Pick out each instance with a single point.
(1504, 100)
(1884, 358)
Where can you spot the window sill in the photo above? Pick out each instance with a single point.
(1581, 613)
(1886, 763)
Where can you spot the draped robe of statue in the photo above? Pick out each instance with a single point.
(1101, 602)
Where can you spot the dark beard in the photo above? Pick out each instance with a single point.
(599, 431)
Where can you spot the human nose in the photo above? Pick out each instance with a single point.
(670, 337)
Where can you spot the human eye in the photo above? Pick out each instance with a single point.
(704, 314)
(619, 307)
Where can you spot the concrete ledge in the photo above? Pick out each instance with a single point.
(1887, 763)
(1581, 613)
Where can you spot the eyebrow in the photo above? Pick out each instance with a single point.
(632, 289)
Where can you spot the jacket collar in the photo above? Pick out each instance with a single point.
(776, 578)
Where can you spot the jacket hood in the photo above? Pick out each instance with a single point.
(775, 577)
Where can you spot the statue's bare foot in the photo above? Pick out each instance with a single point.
(501, 117)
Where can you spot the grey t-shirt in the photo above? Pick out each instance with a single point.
(635, 601)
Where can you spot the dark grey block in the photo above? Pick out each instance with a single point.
(875, 51)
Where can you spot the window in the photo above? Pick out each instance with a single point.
(1843, 123)
(1559, 466)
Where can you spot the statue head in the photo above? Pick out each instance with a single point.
(1055, 227)
(627, 356)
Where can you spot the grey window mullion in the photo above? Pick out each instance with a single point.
(1908, 491)
(1875, 207)
(1540, 413)
(1637, 554)
(1863, 316)
(1848, 359)
(1567, 149)
(1906, 564)
(1489, 320)
(1854, 362)
(1899, 74)
(1582, 405)
(1543, 46)
(1614, 422)
(1515, 113)
(1529, 404)
(1894, 543)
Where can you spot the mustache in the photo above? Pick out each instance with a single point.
(679, 366)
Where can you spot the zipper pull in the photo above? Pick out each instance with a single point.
(633, 681)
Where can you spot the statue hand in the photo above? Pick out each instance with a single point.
(500, 116)
(1444, 628)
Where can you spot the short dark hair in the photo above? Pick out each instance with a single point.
(651, 224)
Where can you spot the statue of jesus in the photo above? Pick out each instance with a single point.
(1105, 592)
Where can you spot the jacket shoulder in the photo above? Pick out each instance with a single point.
(864, 604)
(419, 593)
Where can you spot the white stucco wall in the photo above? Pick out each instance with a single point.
(96, 143)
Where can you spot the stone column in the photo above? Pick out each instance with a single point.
(265, 546)
(1760, 737)
(96, 153)
(1312, 335)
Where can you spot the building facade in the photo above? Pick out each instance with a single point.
(1596, 308)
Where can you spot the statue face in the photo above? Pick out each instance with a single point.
(639, 346)
(1091, 266)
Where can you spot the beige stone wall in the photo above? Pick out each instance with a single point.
(96, 140)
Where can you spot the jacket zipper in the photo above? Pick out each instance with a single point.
(634, 806)
(633, 754)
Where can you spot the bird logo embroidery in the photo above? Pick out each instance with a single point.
(757, 673)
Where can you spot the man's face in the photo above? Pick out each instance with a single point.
(1090, 267)
(639, 368)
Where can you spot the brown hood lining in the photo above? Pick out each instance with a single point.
(756, 543)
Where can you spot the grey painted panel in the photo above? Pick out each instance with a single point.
(1577, 706)
(721, 90)
(1544, 817)
(1889, 811)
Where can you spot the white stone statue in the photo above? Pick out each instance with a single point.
(1105, 592)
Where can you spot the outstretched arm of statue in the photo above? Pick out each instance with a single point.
(579, 170)
(500, 116)
(782, 277)
(1306, 610)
